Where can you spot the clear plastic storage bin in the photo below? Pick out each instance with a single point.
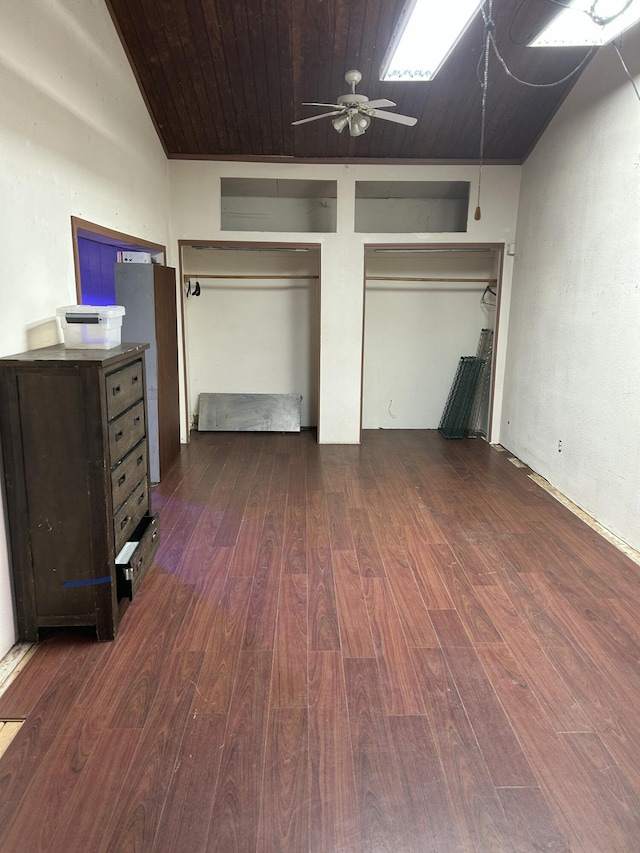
(91, 326)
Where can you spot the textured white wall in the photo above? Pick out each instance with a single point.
(574, 333)
(195, 207)
(76, 140)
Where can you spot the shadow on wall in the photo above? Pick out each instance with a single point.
(46, 333)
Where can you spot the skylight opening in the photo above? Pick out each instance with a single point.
(588, 23)
(426, 33)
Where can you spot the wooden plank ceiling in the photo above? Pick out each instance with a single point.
(224, 79)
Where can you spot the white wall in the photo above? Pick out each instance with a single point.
(416, 331)
(250, 213)
(574, 334)
(76, 140)
(411, 214)
(195, 208)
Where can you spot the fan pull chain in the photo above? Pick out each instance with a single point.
(488, 29)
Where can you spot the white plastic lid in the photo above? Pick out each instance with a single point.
(101, 311)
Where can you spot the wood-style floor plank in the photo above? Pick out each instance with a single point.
(260, 625)
(50, 800)
(140, 802)
(399, 684)
(245, 553)
(53, 662)
(236, 803)
(476, 806)
(284, 811)
(187, 813)
(497, 740)
(406, 645)
(404, 590)
(571, 795)
(355, 631)
(531, 822)
(424, 559)
(561, 706)
(294, 545)
(227, 614)
(289, 686)
(475, 618)
(333, 814)
(340, 534)
(428, 813)
(366, 547)
(378, 783)
(86, 825)
(324, 631)
(195, 629)
(618, 800)
(317, 520)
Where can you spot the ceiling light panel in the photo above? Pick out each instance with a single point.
(588, 23)
(426, 33)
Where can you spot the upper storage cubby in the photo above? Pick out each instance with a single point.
(265, 204)
(408, 207)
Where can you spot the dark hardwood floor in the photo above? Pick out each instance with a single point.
(402, 646)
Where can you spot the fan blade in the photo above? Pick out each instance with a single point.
(315, 118)
(335, 106)
(399, 119)
(382, 102)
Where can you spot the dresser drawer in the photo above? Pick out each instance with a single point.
(123, 388)
(125, 432)
(130, 514)
(136, 556)
(130, 470)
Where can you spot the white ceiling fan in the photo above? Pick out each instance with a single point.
(356, 111)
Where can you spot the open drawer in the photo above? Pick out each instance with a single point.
(137, 555)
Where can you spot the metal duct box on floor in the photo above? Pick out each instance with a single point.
(249, 412)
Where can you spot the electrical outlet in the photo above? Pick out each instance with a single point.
(560, 447)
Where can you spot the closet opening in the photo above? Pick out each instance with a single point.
(425, 308)
(252, 320)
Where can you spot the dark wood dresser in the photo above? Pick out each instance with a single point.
(74, 442)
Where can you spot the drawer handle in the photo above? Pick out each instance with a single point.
(154, 535)
(134, 379)
(118, 435)
(122, 479)
(139, 564)
(140, 498)
(116, 390)
(124, 522)
(136, 420)
(140, 459)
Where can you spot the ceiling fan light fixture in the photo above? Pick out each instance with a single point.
(358, 124)
(340, 122)
(426, 33)
(589, 23)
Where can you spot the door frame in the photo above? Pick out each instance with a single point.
(249, 245)
(109, 237)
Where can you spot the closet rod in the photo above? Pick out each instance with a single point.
(441, 279)
(189, 276)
